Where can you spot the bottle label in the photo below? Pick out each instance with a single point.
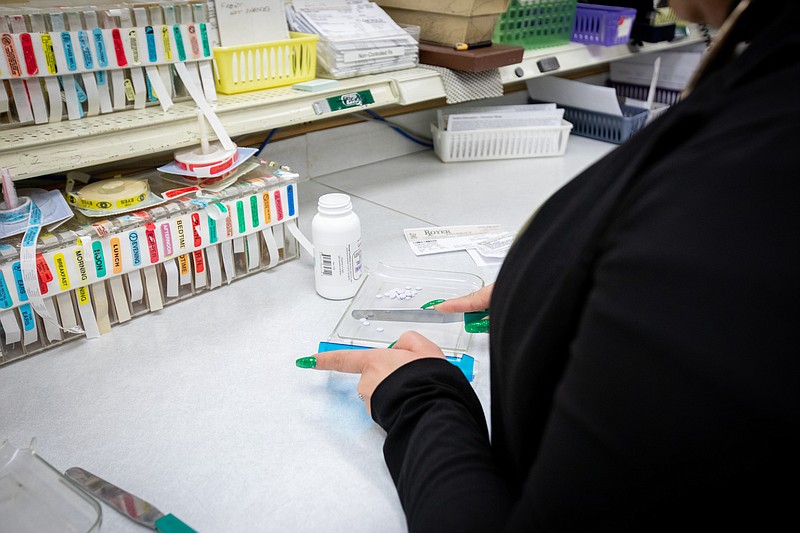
(338, 266)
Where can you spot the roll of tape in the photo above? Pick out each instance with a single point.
(115, 193)
(216, 159)
(18, 213)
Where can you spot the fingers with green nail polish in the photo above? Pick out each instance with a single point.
(431, 304)
(307, 362)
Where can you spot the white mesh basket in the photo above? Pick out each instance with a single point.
(505, 143)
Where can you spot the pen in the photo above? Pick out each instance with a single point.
(470, 46)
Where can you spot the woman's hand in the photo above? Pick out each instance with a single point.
(476, 301)
(375, 365)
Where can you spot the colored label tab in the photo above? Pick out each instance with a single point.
(204, 38)
(166, 238)
(119, 47)
(116, 255)
(350, 100)
(193, 41)
(278, 205)
(99, 259)
(5, 296)
(86, 51)
(290, 199)
(199, 262)
(152, 246)
(136, 252)
(150, 36)
(198, 241)
(267, 214)
(83, 295)
(176, 31)
(100, 47)
(43, 269)
(166, 42)
(30, 56)
(28, 319)
(14, 66)
(180, 230)
(254, 210)
(183, 264)
(134, 43)
(16, 271)
(69, 53)
(80, 263)
(212, 230)
(49, 54)
(240, 216)
(61, 269)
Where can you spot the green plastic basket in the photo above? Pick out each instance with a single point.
(536, 23)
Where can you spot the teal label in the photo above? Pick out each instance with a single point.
(5, 297)
(69, 53)
(99, 259)
(212, 230)
(176, 31)
(28, 320)
(100, 47)
(204, 37)
(16, 270)
(240, 216)
(83, 40)
(254, 210)
(136, 252)
(151, 44)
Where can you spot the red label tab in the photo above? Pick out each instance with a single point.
(30, 56)
(152, 246)
(199, 263)
(278, 205)
(119, 48)
(196, 230)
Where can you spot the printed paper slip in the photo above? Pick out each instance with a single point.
(435, 240)
(443, 114)
(523, 119)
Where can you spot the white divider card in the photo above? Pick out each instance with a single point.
(115, 51)
(202, 32)
(171, 281)
(120, 299)
(86, 60)
(23, 44)
(8, 319)
(9, 62)
(250, 21)
(100, 298)
(47, 64)
(157, 89)
(95, 35)
(163, 50)
(228, 263)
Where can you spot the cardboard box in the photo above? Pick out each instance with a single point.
(449, 22)
(463, 8)
(447, 29)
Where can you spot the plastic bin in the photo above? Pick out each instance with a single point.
(610, 128)
(639, 92)
(505, 143)
(602, 25)
(536, 24)
(252, 67)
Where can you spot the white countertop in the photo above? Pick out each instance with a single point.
(200, 409)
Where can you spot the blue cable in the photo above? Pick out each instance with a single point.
(266, 141)
(398, 130)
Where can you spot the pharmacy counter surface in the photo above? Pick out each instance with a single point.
(199, 408)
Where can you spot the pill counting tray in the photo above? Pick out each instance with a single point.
(428, 285)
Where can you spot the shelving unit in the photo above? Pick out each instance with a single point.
(39, 150)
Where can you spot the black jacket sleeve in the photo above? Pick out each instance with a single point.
(449, 482)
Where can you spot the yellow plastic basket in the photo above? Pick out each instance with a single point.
(252, 67)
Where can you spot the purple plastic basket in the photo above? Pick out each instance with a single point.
(603, 25)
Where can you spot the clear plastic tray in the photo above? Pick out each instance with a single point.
(434, 284)
(37, 498)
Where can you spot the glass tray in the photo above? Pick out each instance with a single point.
(431, 285)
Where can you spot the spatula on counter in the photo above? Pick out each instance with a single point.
(126, 503)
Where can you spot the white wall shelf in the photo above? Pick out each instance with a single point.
(39, 150)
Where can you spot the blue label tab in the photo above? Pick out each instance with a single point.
(150, 35)
(290, 199)
(136, 253)
(16, 270)
(100, 47)
(83, 40)
(28, 318)
(5, 296)
(69, 53)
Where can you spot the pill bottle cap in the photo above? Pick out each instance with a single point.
(334, 204)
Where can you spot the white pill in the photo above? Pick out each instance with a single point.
(366, 322)
(379, 329)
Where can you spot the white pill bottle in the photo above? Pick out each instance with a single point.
(336, 232)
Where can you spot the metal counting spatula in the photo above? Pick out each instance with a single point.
(127, 504)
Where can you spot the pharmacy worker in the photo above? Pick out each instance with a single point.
(645, 356)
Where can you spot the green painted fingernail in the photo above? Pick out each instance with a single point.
(307, 362)
(431, 304)
(392, 345)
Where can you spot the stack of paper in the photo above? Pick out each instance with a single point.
(356, 37)
(495, 117)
